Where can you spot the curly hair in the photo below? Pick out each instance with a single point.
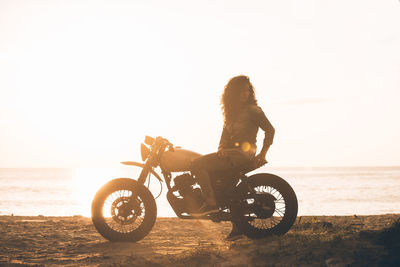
(230, 97)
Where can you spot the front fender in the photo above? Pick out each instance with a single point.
(141, 165)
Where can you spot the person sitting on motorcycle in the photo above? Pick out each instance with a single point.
(237, 146)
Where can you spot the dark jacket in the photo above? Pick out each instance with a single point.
(244, 129)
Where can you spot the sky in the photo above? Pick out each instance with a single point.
(82, 82)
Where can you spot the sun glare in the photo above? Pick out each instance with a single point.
(87, 181)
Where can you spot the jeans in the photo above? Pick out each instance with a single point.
(201, 168)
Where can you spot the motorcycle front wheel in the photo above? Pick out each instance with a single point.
(124, 210)
(267, 205)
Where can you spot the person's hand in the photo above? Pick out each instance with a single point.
(221, 153)
(260, 160)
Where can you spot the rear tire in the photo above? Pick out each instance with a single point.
(124, 210)
(272, 210)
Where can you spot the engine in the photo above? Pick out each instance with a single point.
(184, 197)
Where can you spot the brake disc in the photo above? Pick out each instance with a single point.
(125, 210)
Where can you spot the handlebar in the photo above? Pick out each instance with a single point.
(159, 142)
(166, 143)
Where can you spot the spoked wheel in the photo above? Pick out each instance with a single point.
(267, 205)
(124, 210)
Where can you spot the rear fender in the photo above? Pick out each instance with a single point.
(143, 175)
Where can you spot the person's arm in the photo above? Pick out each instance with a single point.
(269, 133)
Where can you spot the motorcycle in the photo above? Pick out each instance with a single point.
(260, 205)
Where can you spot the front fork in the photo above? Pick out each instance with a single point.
(142, 179)
(144, 173)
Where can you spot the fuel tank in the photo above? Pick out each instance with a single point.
(178, 160)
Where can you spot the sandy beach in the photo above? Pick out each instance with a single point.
(313, 241)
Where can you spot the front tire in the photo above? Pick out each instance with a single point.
(124, 210)
(267, 206)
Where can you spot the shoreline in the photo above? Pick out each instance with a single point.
(175, 217)
(313, 240)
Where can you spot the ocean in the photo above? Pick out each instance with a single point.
(320, 190)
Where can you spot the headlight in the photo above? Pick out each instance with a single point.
(144, 151)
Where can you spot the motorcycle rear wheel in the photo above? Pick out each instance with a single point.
(271, 209)
(124, 210)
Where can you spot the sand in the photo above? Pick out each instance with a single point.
(312, 241)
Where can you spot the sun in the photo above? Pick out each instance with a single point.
(86, 182)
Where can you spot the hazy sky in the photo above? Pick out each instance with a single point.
(82, 82)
